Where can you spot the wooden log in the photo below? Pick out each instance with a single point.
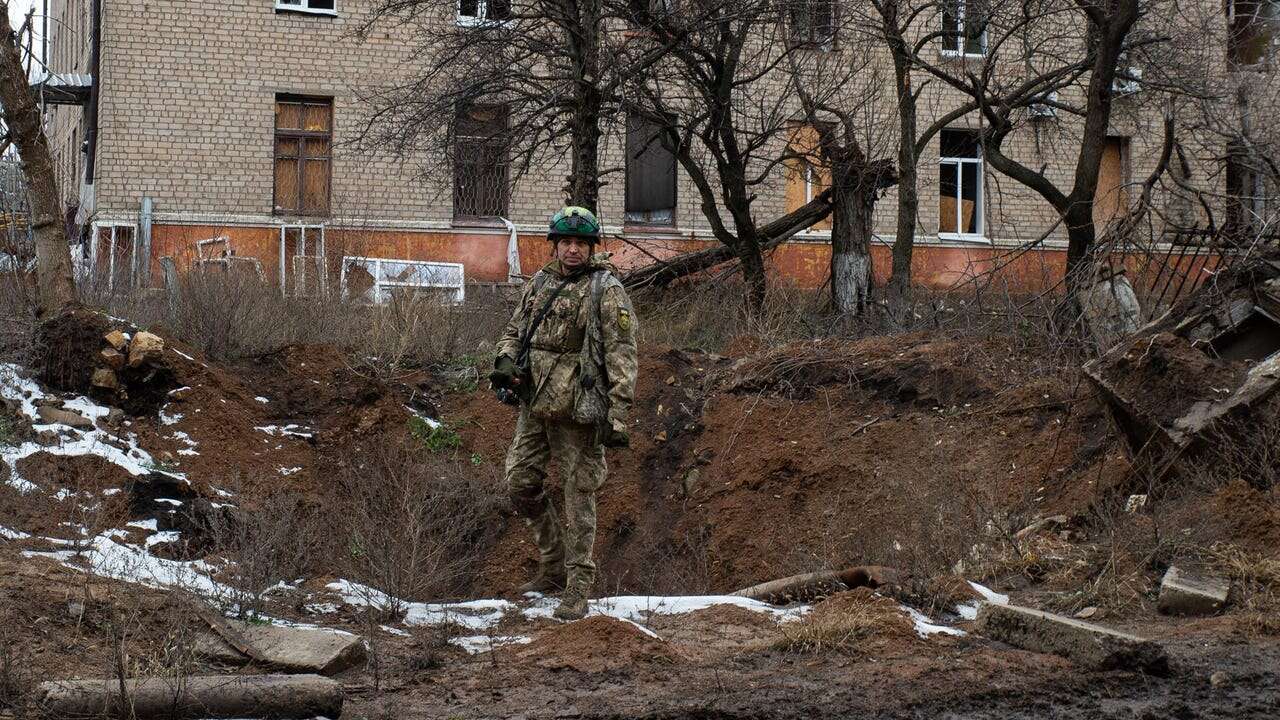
(197, 696)
(810, 585)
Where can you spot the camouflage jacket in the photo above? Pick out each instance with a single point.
(556, 348)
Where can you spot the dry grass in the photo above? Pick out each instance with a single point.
(1255, 581)
(844, 623)
(237, 316)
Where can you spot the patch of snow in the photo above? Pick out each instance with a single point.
(431, 422)
(291, 429)
(320, 608)
(262, 400)
(188, 452)
(23, 390)
(171, 501)
(167, 419)
(926, 627)
(163, 537)
(182, 354)
(22, 486)
(289, 471)
(148, 524)
(969, 611)
(112, 491)
(10, 534)
(63, 494)
(221, 493)
(476, 644)
(393, 631)
(131, 563)
(86, 407)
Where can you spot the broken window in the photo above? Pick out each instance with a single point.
(807, 175)
(318, 7)
(480, 12)
(1110, 198)
(113, 256)
(378, 280)
(813, 23)
(304, 139)
(1253, 32)
(1245, 206)
(651, 175)
(480, 187)
(302, 267)
(960, 184)
(964, 27)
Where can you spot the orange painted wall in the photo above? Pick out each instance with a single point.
(805, 264)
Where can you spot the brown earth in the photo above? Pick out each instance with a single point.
(907, 452)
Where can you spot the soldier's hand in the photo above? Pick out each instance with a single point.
(505, 374)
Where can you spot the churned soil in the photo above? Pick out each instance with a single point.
(597, 644)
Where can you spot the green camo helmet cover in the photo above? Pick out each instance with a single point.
(574, 221)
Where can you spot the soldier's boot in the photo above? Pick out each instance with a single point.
(573, 603)
(550, 579)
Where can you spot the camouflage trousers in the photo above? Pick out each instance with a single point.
(580, 457)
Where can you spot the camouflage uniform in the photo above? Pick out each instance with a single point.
(546, 428)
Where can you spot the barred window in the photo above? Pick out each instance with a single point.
(480, 162)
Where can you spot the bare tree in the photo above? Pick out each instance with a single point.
(25, 131)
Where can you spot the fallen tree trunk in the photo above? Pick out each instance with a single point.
(810, 585)
(663, 272)
(201, 696)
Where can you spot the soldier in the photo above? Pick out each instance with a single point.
(569, 355)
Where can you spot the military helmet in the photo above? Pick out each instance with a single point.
(574, 221)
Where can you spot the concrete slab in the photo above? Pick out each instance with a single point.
(1183, 593)
(1084, 643)
(312, 650)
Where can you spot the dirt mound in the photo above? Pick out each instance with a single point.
(1164, 375)
(905, 370)
(598, 644)
(70, 347)
(856, 621)
(1252, 516)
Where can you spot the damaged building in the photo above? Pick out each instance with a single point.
(207, 131)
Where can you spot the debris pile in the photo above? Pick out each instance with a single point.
(1214, 356)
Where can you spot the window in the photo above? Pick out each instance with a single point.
(807, 176)
(1246, 196)
(813, 23)
(480, 162)
(314, 7)
(378, 280)
(304, 137)
(651, 175)
(1110, 197)
(960, 184)
(1253, 32)
(964, 28)
(482, 12)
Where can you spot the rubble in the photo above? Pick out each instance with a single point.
(1215, 355)
(145, 349)
(1183, 593)
(1084, 643)
(289, 649)
(1110, 308)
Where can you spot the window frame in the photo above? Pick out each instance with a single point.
(980, 210)
(289, 264)
(810, 40)
(648, 222)
(303, 7)
(302, 136)
(958, 33)
(481, 18)
(505, 182)
(135, 273)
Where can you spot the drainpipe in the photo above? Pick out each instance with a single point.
(95, 70)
